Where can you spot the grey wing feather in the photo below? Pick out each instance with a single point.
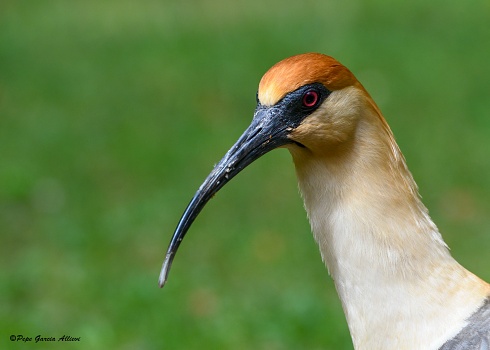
(475, 335)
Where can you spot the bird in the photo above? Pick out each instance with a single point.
(398, 284)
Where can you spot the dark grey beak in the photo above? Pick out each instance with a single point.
(267, 132)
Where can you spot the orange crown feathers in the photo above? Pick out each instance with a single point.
(296, 71)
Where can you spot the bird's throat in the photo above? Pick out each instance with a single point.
(385, 255)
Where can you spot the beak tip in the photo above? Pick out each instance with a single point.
(162, 279)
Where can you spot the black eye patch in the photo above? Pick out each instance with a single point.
(298, 104)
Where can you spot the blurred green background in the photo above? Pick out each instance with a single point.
(113, 112)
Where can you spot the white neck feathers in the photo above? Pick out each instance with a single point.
(399, 286)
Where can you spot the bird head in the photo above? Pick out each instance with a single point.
(308, 103)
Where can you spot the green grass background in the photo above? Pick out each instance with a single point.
(113, 112)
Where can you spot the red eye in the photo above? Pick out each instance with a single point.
(310, 98)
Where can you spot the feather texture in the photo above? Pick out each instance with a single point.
(399, 286)
(474, 336)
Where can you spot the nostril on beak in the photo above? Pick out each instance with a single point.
(255, 133)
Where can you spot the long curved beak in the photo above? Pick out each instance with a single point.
(266, 132)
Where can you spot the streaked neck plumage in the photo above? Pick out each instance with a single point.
(399, 286)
